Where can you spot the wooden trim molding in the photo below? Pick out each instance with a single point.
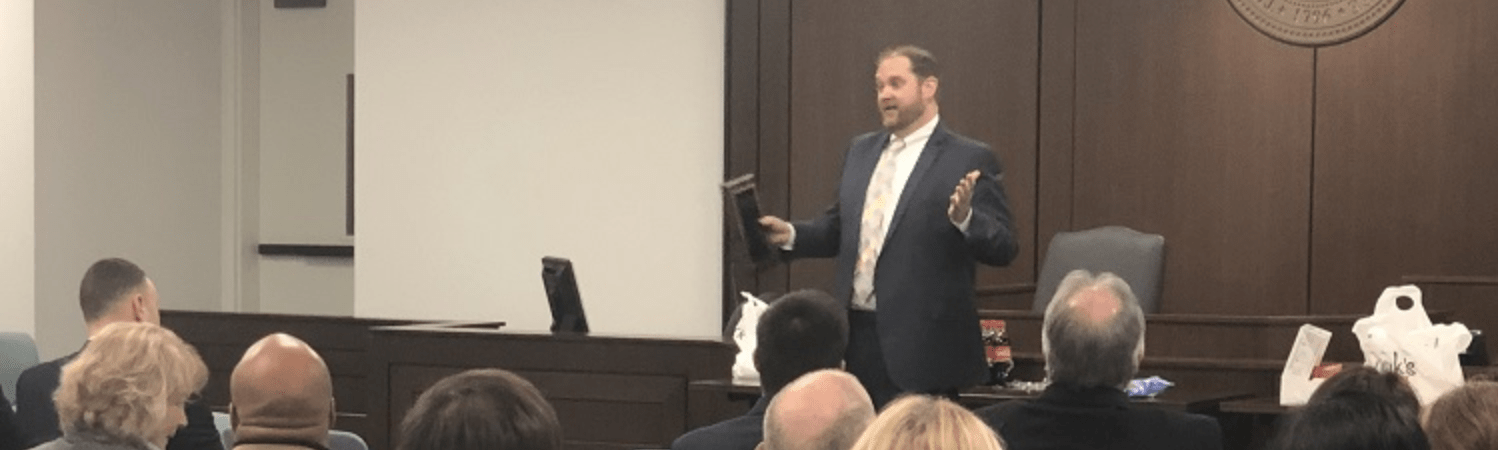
(313, 250)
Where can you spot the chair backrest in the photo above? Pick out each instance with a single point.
(225, 429)
(17, 353)
(1138, 258)
(345, 440)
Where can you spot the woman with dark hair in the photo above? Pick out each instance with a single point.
(481, 409)
(1358, 409)
(1385, 385)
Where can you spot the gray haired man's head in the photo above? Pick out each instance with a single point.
(823, 410)
(1094, 331)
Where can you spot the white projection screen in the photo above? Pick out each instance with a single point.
(492, 133)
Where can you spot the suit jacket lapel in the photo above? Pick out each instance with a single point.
(928, 158)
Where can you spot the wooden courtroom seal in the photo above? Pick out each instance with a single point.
(1315, 23)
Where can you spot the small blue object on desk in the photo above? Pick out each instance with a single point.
(1148, 387)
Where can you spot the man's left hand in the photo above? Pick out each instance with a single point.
(962, 198)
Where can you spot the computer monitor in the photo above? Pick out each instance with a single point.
(561, 293)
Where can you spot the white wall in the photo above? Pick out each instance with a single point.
(491, 134)
(17, 145)
(127, 152)
(304, 56)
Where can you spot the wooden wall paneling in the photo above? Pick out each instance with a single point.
(774, 122)
(1404, 164)
(1191, 124)
(741, 134)
(989, 55)
(610, 392)
(1056, 137)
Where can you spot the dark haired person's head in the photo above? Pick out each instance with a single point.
(116, 290)
(1465, 418)
(481, 409)
(1093, 332)
(1386, 385)
(799, 333)
(905, 86)
(1351, 420)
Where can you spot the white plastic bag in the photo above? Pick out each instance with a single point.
(1405, 342)
(744, 335)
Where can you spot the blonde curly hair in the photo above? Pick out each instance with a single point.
(923, 422)
(121, 384)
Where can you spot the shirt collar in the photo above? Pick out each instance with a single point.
(920, 134)
(1099, 396)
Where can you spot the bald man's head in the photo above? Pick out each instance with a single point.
(1093, 334)
(826, 409)
(281, 392)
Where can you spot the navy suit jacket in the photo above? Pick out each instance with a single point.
(739, 433)
(1068, 418)
(36, 414)
(923, 282)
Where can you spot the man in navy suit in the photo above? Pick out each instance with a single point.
(917, 208)
(113, 290)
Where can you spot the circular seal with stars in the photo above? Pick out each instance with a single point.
(1314, 23)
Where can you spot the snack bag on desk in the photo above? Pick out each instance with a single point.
(1406, 343)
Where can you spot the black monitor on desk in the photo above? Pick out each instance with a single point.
(561, 294)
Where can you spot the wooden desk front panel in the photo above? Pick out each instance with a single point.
(343, 342)
(609, 392)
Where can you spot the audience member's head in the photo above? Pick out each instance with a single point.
(1465, 418)
(116, 290)
(129, 385)
(920, 422)
(823, 410)
(1350, 420)
(281, 392)
(1093, 334)
(1388, 386)
(481, 409)
(801, 332)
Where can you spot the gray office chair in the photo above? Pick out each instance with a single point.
(345, 440)
(225, 429)
(17, 353)
(1138, 258)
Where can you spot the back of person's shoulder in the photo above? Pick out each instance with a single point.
(743, 432)
(996, 415)
(1189, 430)
(45, 373)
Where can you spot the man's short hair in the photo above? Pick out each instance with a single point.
(105, 283)
(1092, 354)
(481, 409)
(922, 62)
(799, 333)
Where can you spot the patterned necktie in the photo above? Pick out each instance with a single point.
(871, 238)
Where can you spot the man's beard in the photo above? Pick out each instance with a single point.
(905, 116)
